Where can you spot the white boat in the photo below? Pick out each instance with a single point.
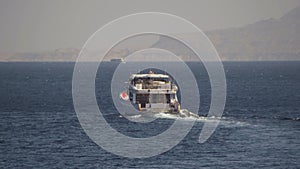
(155, 93)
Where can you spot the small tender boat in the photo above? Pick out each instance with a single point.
(117, 60)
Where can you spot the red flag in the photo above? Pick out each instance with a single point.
(124, 95)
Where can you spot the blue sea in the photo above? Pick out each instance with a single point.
(260, 127)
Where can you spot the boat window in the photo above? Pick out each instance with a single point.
(142, 98)
(158, 98)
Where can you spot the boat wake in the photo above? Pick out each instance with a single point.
(185, 115)
(189, 116)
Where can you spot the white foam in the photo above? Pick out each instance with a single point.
(135, 116)
(223, 121)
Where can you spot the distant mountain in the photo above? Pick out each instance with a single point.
(272, 39)
(59, 55)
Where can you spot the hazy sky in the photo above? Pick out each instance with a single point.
(43, 25)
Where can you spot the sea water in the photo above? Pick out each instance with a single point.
(260, 126)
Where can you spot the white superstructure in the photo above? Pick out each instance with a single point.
(153, 92)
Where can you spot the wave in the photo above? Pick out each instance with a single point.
(289, 118)
(273, 117)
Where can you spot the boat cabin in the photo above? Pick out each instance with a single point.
(153, 92)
